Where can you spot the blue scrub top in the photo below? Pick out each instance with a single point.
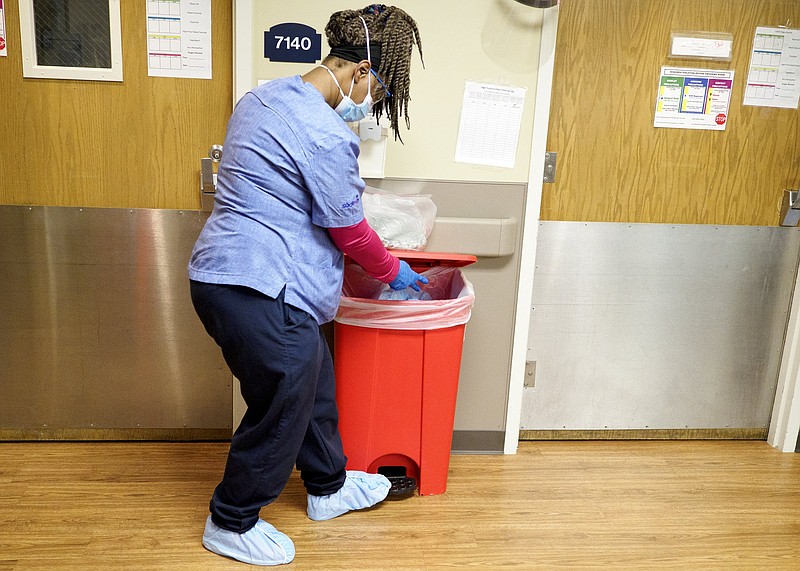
(289, 170)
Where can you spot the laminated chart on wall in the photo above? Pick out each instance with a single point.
(3, 50)
(179, 38)
(693, 98)
(490, 121)
(773, 79)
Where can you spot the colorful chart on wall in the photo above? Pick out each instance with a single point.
(693, 98)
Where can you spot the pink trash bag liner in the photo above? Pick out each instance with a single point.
(452, 298)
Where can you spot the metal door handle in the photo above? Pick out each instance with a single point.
(208, 179)
(790, 211)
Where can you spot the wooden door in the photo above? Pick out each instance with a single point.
(674, 324)
(614, 166)
(134, 144)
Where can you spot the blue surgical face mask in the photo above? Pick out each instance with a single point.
(348, 109)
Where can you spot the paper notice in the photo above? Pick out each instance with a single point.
(773, 79)
(3, 50)
(490, 121)
(179, 38)
(693, 98)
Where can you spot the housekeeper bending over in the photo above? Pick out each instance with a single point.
(267, 271)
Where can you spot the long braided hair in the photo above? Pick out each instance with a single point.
(396, 32)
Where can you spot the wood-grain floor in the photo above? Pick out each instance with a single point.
(614, 505)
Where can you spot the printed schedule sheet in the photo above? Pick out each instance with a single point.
(490, 122)
(773, 79)
(179, 38)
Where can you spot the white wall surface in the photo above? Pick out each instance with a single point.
(487, 41)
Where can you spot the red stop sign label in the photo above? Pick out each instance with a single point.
(721, 118)
(2, 43)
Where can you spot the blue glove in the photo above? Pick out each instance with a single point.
(407, 277)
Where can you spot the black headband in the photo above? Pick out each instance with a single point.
(357, 53)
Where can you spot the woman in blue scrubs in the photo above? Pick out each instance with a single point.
(267, 271)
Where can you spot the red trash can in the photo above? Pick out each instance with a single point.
(397, 367)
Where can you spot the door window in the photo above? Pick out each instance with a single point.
(71, 39)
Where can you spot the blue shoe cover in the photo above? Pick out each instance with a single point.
(259, 545)
(360, 490)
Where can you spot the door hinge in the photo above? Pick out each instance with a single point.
(549, 167)
(530, 374)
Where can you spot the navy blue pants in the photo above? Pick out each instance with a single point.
(284, 366)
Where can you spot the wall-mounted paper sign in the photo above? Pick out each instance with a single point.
(294, 43)
(179, 38)
(773, 79)
(3, 51)
(491, 116)
(701, 45)
(693, 98)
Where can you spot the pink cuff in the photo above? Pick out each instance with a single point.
(363, 245)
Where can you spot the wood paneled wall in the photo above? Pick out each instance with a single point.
(614, 166)
(135, 144)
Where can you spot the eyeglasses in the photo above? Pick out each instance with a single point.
(383, 85)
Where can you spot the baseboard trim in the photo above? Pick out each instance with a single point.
(478, 442)
(97, 434)
(648, 434)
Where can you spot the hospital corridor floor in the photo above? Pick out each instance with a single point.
(554, 505)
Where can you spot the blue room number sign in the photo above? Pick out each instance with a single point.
(292, 42)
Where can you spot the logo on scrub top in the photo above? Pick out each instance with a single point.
(352, 203)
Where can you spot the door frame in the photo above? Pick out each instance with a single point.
(784, 425)
(242, 83)
(242, 48)
(785, 421)
(530, 231)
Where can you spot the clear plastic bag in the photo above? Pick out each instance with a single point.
(401, 222)
(452, 298)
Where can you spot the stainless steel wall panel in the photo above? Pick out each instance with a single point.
(96, 326)
(638, 326)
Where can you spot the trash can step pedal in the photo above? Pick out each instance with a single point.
(402, 487)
